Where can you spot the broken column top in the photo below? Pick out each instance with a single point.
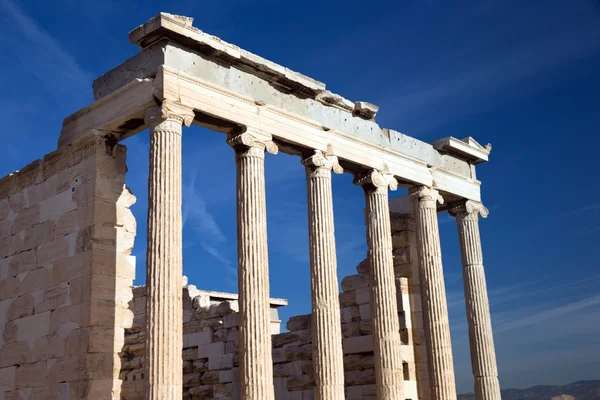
(179, 28)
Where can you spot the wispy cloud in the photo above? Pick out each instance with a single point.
(549, 314)
(213, 251)
(530, 293)
(586, 208)
(197, 217)
(42, 54)
(196, 214)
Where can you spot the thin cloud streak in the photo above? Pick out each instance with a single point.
(196, 214)
(61, 73)
(520, 291)
(213, 251)
(549, 314)
(592, 207)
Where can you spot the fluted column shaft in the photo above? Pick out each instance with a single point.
(256, 364)
(164, 306)
(433, 292)
(327, 356)
(483, 354)
(389, 378)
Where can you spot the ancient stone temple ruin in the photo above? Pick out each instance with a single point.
(72, 326)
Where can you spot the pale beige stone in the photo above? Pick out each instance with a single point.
(4, 247)
(256, 365)
(483, 354)
(22, 306)
(56, 206)
(72, 268)
(7, 378)
(384, 308)
(326, 325)
(65, 369)
(5, 269)
(33, 327)
(9, 332)
(30, 375)
(4, 209)
(35, 279)
(26, 219)
(164, 269)
(54, 297)
(14, 354)
(43, 190)
(56, 250)
(18, 201)
(39, 234)
(5, 228)
(435, 309)
(16, 244)
(48, 347)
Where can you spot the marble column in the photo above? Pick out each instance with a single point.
(327, 356)
(256, 364)
(433, 292)
(389, 378)
(483, 355)
(164, 254)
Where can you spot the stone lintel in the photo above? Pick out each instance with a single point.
(121, 113)
(275, 302)
(467, 148)
(404, 205)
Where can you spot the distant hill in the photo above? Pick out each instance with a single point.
(582, 390)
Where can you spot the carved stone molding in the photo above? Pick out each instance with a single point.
(169, 110)
(467, 207)
(321, 162)
(379, 180)
(426, 194)
(249, 140)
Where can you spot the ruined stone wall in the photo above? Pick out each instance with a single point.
(404, 242)
(210, 352)
(210, 339)
(66, 233)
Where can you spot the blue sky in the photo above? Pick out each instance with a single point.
(520, 75)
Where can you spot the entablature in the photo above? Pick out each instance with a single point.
(231, 89)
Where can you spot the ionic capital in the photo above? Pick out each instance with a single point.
(467, 208)
(320, 161)
(168, 111)
(247, 140)
(380, 180)
(424, 194)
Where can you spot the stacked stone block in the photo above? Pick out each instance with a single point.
(66, 233)
(210, 345)
(292, 350)
(210, 339)
(404, 242)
